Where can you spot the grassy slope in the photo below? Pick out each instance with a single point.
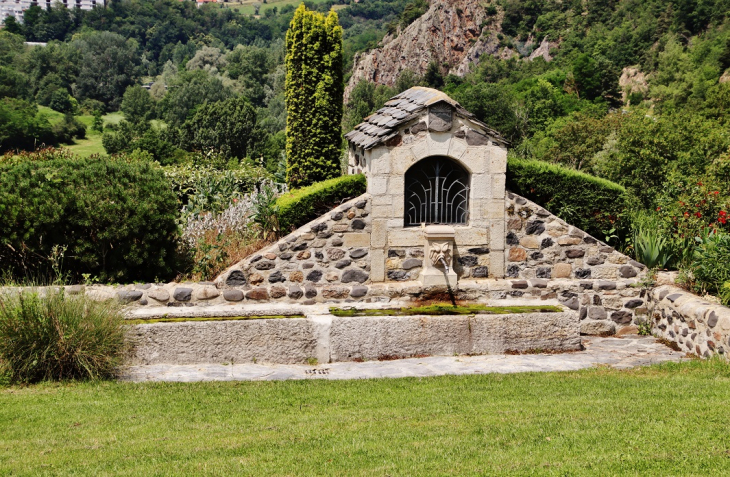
(92, 143)
(667, 420)
(247, 6)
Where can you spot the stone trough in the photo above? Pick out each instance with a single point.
(323, 338)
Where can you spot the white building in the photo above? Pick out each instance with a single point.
(15, 8)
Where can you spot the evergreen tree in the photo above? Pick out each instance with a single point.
(314, 92)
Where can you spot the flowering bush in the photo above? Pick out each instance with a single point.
(693, 207)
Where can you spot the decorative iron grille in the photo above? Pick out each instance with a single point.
(436, 192)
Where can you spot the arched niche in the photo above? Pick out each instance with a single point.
(436, 192)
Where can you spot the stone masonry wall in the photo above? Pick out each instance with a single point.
(541, 246)
(695, 325)
(328, 258)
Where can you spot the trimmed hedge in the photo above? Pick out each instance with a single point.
(116, 217)
(306, 204)
(590, 203)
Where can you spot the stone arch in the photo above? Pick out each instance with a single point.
(437, 190)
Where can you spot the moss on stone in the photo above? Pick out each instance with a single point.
(445, 309)
(205, 318)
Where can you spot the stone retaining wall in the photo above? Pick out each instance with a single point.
(540, 245)
(695, 325)
(328, 259)
(327, 338)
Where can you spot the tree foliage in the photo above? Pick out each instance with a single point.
(114, 217)
(314, 89)
(226, 127)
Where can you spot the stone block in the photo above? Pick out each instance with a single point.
(379, 234)
(277, 292)
(420, 148)
(530, 241)
(233, 295)
(562, 270)
(597, 313)
(622, 317)
(598, 328)
(378, 185)
(495, 211)
(475, 159)
(410, 237)
(439, 143)
(468, 236)
(377, 265)
(481, 186)
(207, 293)
(605, 272)
(258, 294)
(159, 294)
(517, 254)
(496, 235)
(358, 291)
(457, 148)
(383, 211)
(381, 164)
(401, 160)
(498, 160)
(568, 240)
(182, 294)
(496, 260)
(129, 296)
(498, 186)
(236, 279)
(238, 341)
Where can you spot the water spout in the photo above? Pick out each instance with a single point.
(444, 264)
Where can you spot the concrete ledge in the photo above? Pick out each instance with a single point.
(331, 339)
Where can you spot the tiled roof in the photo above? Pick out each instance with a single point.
(383, 125)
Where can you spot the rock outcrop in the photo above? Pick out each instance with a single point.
(453, 33)
(450, 33)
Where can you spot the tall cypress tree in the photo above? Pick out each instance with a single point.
(314, 91)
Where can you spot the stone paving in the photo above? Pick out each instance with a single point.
(620, 353)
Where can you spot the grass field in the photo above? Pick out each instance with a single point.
(249, 6)
(666, 420)
(92, 143)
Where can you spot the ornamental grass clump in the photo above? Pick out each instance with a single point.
(53, 336)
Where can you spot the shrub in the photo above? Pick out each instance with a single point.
(304, 205)
(69, 129)
(22, 126)
(710, 265)
(115, 216)
(201, 188)
(590, 203)
(58, 337)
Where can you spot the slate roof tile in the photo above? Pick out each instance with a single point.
(381, 126)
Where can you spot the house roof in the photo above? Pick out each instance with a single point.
(408, 105)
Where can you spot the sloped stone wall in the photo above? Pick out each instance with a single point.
(695, 325)
(328, 258)
(541, 246)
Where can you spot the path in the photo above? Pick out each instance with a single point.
(620, 353)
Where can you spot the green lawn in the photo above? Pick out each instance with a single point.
(248, 6)
(92, 143)
(666, 420)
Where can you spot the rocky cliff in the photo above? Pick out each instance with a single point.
(453, 33)
(449, 33)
